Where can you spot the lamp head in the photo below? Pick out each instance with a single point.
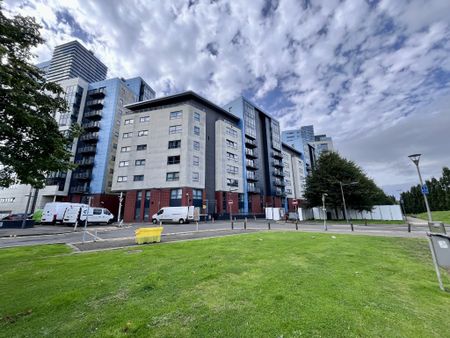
(415, 158)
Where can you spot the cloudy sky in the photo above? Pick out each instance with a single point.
(374, 75)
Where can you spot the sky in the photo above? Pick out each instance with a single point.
(374, 75)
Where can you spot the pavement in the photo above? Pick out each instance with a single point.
(111, 236)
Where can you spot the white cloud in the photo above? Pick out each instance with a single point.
(355, 70)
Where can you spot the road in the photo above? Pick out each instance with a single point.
(66, 235)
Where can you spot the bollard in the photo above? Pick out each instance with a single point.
(160, 223)
(213, 219)
(245, 223)
(365, 222)
(296, 224)
(254, 216)
(232, 225)
(268, 225)
(351, 225)
(409, 227)
(196, 225)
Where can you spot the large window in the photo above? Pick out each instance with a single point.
(232, 132)
(147, 206)
(195, 161)
(173, 176)
(122, 178)
(124, 163)
(138, 178)
(197, 116)
(275, 131)
(196, 130)
(144, 119)
(64, 119)
(127, 135)
(128, 121)
(140, 147)
(142, 132)
(197, 194)
(137, 206)
(231, 182)
(195, 176)
(173, 159)
(174, 144)
(176, 115)
(125, 149)
(196, 145)
(175, 129)
(231, 169)
(232, 157)
(139, 162)
(250, 120)
(175, 197)
(231, 144)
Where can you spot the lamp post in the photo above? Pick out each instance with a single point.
(324, 212)
(343, 197)
(415, 159)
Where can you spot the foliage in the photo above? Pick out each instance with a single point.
(30, 143)
(438, 197)
(254, 285)
(329, 171)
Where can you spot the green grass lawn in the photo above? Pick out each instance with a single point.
(256, 285)
(356, 221)
(443, 216)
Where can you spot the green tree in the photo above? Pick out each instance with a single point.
(30, 143)
(361, 193)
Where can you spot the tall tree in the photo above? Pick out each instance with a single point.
(30, 143)
(361, 193)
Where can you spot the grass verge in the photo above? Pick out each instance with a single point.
(256, 285)
(442, 216)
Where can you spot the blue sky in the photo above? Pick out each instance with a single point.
(374, 75)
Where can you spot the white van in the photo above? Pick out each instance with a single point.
(174, 214)
(53, 212)
(96, 215)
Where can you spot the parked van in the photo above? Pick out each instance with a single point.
(95, 215)
(174, 214)
(54, 212)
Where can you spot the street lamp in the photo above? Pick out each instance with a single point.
(324, 211)
(415, 159)
(343, 197)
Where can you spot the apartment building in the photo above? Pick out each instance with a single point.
(168, 155)
(294, 176)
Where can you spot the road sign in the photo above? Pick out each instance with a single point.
(425, 189)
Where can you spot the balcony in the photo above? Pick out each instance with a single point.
(79, 189)
(89, 137)
(87, 150)
(250, 164)
(253, 190)
(250, 143)
(252, 177)
(250, 153)
(85, 161)
(94, 114)
(278, 173)
(277, 154)
(95, 103)
(279, 183)
(277, 164)
(82, 175)
(94, 125)
(97, 93)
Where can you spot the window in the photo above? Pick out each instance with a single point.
(196, 145)
(125, 149)
(230, 131)
(64, 119)
(231, 144)
(195, 161)
(142, 132)
(231, 182)
(175, 129)
(144, 119)
(140, 147)
(137, 206)
(139, 163)
(127, 135)
(173, 176)
(137, 178)
(231, 169)
(124, 163)
(122, 178)
(175, 194)
(128, 121)
(232, 157)
(174, 144)
(195, 176)
(176, 115)
(197, 194)
(197, 116)
(173, 159)
(196, 130)
(97, 212)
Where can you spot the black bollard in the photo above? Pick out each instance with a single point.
(268, 225)
(296, 224)
(351, 225)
